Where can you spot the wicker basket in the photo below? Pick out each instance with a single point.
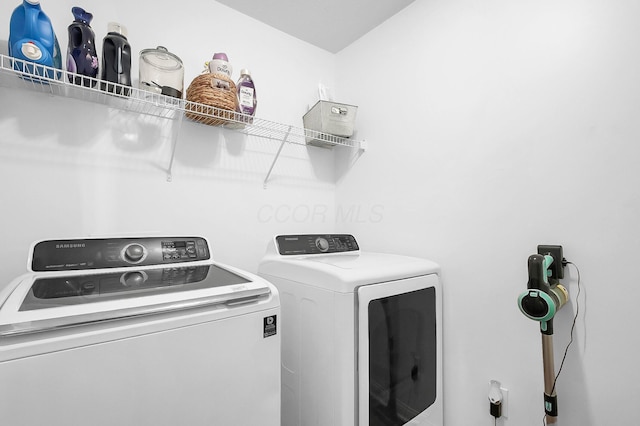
(216, 99)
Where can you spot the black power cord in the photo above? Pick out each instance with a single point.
(573, 326)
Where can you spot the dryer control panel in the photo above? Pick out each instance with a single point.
(315, 244)
(80, 254)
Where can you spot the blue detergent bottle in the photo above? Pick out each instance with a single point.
(32, 39)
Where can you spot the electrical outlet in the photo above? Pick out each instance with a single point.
(505, 402)
(556, 268)
(504, 395)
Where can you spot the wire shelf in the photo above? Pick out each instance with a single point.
(23, 74)
(15, 72)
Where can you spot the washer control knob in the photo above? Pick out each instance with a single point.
(134, 253)
(322, 244)
(133, 279)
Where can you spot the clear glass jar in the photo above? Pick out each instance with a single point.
(161, 72)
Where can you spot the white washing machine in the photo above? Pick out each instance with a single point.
(361, 333)
(138, 331)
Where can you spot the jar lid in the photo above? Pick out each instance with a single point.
(161, 58)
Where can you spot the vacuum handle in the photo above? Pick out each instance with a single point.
(31, 15)
(538, 265)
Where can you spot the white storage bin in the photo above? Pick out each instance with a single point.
(329, 117)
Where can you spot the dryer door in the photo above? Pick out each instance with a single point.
(398, 353)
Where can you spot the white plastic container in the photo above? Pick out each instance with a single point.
(220, 65)
(329, 117)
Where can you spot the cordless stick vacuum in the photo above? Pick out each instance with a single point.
(543, 298)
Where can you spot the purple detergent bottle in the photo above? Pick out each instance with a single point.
(82, 55)
(247, 99)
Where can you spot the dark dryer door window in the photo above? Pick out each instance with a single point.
(402, 356)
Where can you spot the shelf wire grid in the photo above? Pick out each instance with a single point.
(17, 72)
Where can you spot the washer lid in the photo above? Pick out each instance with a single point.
(345, 272)
(47, 301)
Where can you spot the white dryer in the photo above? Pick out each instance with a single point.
(137, 331)
(361, 333)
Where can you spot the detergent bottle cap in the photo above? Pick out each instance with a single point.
(114, 27)
(81, 15)
(222, 56)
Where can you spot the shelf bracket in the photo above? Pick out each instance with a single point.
(174, 144)
(284, 140)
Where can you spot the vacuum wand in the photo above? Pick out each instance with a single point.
(540, 302)
(550, 397)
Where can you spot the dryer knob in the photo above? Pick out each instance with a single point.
(134, 253)
(322, 244)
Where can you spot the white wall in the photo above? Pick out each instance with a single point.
(71, 168)
(495, 126)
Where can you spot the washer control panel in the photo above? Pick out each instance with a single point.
(315, 244)
(68, 255)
